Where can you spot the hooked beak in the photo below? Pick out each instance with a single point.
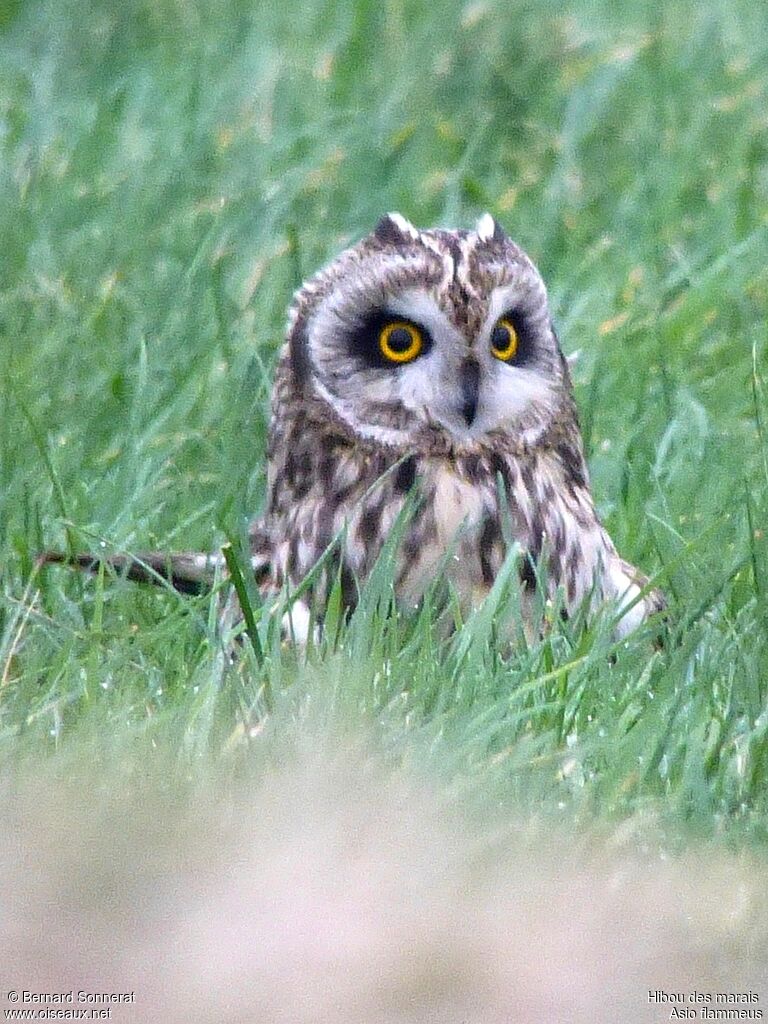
(469, 380)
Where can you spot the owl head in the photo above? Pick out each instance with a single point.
(411, 336)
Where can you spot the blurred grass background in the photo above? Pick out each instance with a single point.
(169, 173)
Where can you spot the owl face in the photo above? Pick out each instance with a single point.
(416, 333)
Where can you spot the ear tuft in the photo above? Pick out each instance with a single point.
(489, 230)
(394, 229)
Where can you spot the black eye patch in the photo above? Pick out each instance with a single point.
(525, 353)
(383, 340)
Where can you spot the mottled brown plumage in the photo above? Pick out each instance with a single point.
(487, 438)
(349, 439)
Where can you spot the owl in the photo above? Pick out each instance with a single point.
(421, 389)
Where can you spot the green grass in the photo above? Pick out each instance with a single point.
(169, 172)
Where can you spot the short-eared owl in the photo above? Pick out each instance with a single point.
(428, 360)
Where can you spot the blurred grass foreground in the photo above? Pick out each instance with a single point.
(419, 829)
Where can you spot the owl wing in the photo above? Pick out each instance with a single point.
(632, 589)
(189, 572)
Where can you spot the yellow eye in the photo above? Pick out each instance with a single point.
(504, 340)
(400, 342)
